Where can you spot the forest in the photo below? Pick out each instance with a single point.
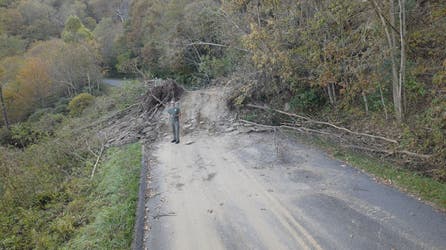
(374, 66)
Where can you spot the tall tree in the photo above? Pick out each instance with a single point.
(34, 79)
(391, 30)
(9, 67)
(3, 106)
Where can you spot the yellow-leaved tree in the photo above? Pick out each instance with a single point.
(34, 81)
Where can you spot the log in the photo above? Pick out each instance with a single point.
(301, 129)
(258, 124)
(156, 98)
(267, 128)
(286, 126)
(323, 123)
(374, 150)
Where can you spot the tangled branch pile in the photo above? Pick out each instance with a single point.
(160, 92)
(139, 121)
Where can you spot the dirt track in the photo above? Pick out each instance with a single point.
(221, 188)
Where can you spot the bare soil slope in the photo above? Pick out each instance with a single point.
(225, 188)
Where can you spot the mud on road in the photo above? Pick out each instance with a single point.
(223, 188)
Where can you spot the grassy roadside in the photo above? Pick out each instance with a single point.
(47, 199)
(112, 204)
(427, 189)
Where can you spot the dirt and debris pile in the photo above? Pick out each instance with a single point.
(161, 92)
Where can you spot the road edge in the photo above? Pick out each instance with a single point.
(332, 151)
(138, 234)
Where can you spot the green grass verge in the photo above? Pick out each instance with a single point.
(112, 204)
(420, 186)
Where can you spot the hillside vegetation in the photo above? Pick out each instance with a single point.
(70, 188)
(372, 66)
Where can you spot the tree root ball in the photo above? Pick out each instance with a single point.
(161, 92)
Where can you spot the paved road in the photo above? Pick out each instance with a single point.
(233, 190)
(114, 82)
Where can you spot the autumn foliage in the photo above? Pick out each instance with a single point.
(375, 65)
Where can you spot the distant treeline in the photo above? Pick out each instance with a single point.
(52, 49)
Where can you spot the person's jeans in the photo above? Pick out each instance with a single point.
(176, 130)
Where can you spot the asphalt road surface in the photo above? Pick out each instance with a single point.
(222, 188)
(114, 82)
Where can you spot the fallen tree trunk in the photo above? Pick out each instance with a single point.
(374, 150)
(286, 126)
(323, 123)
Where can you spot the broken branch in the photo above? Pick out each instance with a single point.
(324, 123)
(374, 150)
(97, 160)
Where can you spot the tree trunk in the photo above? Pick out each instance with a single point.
(382, 102)
(402, 76)
(330, 96)
(366, 104)
(391, 40)
(397, 100)
(89, 82)
(333, 93)
(5, 113)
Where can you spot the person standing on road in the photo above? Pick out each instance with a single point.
(174, 112)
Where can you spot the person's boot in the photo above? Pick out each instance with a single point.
(173, 141)
(178, 141)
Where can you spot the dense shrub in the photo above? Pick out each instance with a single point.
(79, 103)
(23, 135)
(61, 106)
(48, 123)
(307, 100)
(38, 114)
(427, 133)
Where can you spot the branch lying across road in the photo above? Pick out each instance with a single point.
(258, 124)
(323, 123)
(304, 129)
(286, 126)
